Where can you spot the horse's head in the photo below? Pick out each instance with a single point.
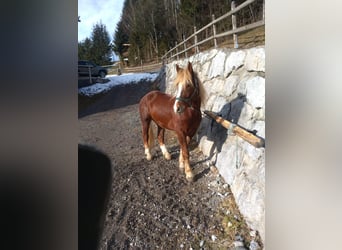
(187, 88)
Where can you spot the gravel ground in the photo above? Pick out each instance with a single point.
(151, 205)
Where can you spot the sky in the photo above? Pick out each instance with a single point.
(94, 11)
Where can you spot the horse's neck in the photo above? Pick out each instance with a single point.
(196, 102)
(197, 99)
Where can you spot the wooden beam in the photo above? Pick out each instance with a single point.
(244, 134)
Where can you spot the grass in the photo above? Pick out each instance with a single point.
(248, 39)
(234, 224)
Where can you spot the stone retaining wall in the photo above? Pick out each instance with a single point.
(234, 81)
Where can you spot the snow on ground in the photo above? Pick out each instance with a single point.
(115, 80)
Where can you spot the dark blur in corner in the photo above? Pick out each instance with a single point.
(38, 110)
(94, 182)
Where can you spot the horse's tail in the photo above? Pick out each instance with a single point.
(150, 136)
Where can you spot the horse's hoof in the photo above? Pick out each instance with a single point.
(190, 178)
(149, 157)
(167, 156)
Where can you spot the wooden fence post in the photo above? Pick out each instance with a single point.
(186, 54)
(196, 47)
(214, 30)
(90, 79)
(177, 50)
(236, 45)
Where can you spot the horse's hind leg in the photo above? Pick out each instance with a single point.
(148, 139)
(147, 135)
(163, 148)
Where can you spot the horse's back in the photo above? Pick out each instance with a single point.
(155, 95)
(156, 99)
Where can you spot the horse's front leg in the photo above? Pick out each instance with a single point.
(163, 148)
(181, 159)
(184, 157)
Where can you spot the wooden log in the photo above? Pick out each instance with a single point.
(254, 140)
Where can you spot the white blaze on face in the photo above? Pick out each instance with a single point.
(178, 95)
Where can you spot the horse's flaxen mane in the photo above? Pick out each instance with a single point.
(183, 75)
(202, 92)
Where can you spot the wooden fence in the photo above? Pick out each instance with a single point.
(144, 67)
(147, 67)
(181, 47)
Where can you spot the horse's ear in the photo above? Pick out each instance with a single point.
(177, 68)
(190, 67)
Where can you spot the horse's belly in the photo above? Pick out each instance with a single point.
(186, 123)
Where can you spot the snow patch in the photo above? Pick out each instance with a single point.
(116, 80)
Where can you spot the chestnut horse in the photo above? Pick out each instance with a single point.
(180, 113)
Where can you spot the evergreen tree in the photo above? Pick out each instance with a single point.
(101, 48)
(121, 38)
(84, 49)
(97, 48)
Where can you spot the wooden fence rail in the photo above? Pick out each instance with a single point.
(178, 51)
(144, 67)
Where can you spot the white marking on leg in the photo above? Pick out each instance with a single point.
(165, 152)
(181, 161)
(148, 154)
(188, 173)
(163, 148)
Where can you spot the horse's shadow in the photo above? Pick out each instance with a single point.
(216, 133)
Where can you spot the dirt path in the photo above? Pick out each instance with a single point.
(152, 205)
